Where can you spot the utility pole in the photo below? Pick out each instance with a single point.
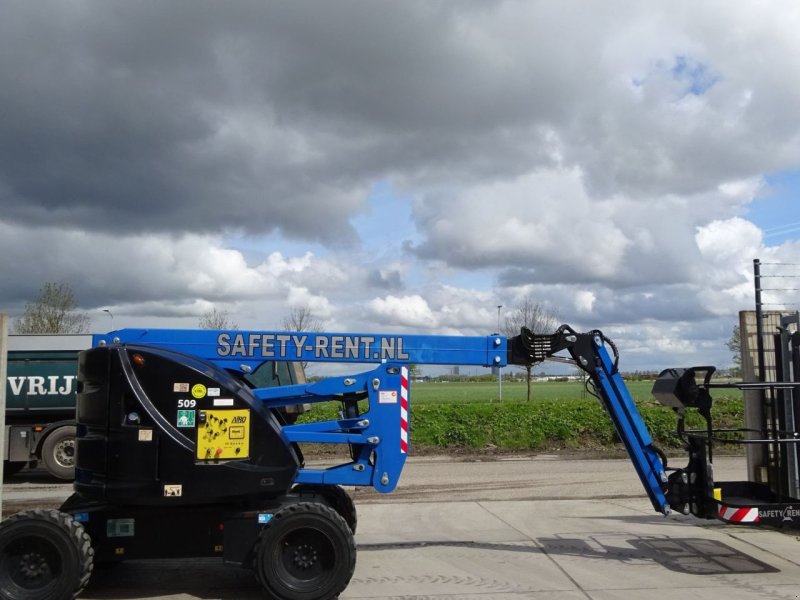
(110, 314)
(499, 369)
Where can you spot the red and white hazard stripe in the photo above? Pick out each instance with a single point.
(403, 410)
(738, 515)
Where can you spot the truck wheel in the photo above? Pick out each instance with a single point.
(305, 552)
(58, 453)
(334, 496)
(44, 555)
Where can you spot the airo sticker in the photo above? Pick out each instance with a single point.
(199, 390)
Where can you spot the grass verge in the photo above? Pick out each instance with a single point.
(570, 424)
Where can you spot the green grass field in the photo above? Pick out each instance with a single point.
(560, 416)
(424, 393)
(479, 391)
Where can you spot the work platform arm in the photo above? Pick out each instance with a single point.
(379, 437)
(589, 351)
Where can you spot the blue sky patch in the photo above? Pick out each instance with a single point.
(697, 77)
(388, 221)
(777, 211)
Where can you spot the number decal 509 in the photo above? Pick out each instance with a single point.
(187, 403)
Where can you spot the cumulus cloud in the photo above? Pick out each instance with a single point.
(318, 305)
(262, 118)
(148, 269)
(545, 227)
(602, 157)
(584, 301)
(409, 311)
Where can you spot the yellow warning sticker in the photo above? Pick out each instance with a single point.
(199, 390)
(223, 434)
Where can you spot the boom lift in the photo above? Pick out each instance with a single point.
(179, 456)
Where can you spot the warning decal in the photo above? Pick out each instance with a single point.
(223, 434)
(173, 490)
(185, 418)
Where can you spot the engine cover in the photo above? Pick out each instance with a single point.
(156, 426)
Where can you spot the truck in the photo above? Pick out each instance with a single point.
(41, 390)
(178, 456)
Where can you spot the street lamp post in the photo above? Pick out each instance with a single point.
(499, 369)
(110, 314)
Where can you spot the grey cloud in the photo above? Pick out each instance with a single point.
(125, 119)
(105, 270)
(390, 280)
(660, 303)
(626, 306)
(263, 116)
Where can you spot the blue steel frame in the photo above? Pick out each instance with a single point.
(243, 350)
(376, 434)
(632, 431)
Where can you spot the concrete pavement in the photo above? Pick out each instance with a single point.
(563, 549)
(526, 527)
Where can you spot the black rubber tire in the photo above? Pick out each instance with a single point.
(334, 496)
(44, 555)
(58, 453)
(12, 468)
(305, 552)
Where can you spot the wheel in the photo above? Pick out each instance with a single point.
(44, 555)
(305, 552)
(58, 453)
(334, 496)
(12, 468)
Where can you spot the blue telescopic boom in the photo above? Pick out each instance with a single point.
(233, 349)
(589, 351)
(631, 429)
(379, 436)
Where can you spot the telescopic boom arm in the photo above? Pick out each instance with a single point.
(379, 436)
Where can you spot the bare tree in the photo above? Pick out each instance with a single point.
(535, 316)
(217, 319)
(53, 311)
(300, 318)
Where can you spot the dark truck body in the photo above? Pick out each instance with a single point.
(41, 391)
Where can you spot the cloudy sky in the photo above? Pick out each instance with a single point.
(404, 166)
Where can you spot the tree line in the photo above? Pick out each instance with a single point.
(55, 310)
